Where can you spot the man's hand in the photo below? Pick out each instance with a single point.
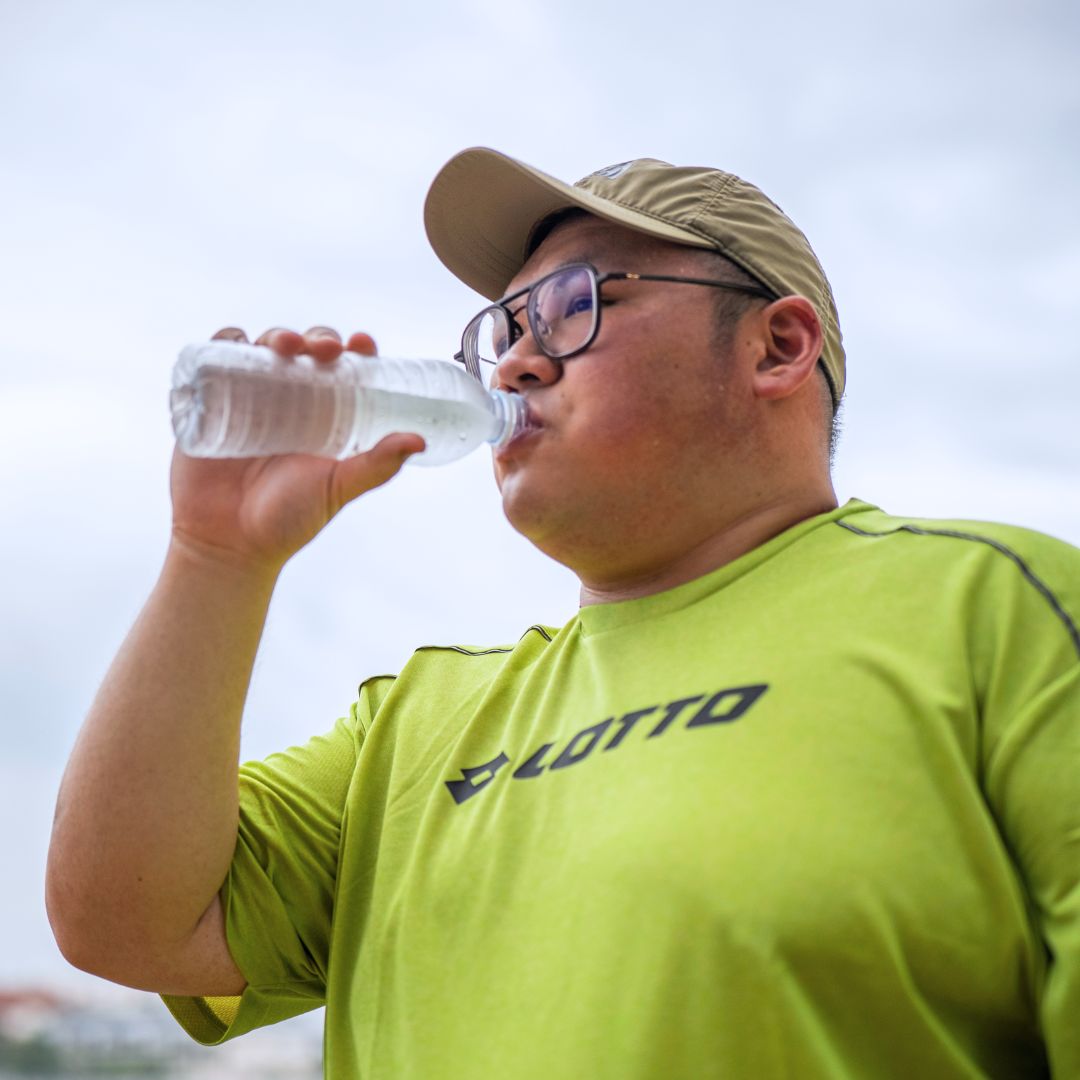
(260, 511)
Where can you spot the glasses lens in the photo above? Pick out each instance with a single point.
(563, 310)
(486, 339)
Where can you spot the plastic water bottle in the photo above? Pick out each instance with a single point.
(232, 400)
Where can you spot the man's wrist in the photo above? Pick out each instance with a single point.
(187, 556)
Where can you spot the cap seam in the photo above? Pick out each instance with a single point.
(719, 190)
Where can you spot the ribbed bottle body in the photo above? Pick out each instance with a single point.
(238, 400)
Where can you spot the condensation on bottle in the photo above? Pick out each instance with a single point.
(233, 400)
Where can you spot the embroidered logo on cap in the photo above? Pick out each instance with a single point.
(613, 172)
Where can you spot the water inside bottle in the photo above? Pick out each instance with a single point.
(235, 413)
(449, 428)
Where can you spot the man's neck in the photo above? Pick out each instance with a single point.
(736, 538)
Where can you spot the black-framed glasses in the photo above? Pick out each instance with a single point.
(563, 313)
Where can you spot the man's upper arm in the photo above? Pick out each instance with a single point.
(1031, 676)
(261, 950)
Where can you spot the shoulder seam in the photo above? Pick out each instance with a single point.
(1032, 578)
(373, 678)
(461, 649)
(484, 652)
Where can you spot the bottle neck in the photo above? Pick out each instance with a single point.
(509, 413)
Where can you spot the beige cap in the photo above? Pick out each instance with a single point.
(483, 206)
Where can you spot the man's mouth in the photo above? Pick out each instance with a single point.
(530, 425)
(532, 421)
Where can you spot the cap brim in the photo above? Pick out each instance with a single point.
(482, 207)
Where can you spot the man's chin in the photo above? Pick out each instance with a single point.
(527, 508)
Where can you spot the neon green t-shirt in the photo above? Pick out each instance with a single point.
(814, 814)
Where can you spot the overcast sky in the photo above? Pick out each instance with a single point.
(171, 168)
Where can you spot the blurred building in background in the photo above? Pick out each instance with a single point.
(131, 1034)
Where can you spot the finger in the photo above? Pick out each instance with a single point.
(368, 470)
(283, 342)
(323, 343)
(364, 344)
(230, 333)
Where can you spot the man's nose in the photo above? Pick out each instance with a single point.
(524, 366)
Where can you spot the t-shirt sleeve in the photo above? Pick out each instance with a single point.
(1031, 761)
(279, 894)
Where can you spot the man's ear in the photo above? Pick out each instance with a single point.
(792, 339)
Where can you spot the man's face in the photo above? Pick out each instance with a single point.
(639, 436)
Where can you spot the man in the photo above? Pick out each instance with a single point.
(793, 794)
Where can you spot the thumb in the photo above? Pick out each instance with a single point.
(355, 475)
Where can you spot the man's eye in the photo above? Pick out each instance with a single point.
(502, 343)
(577, 305)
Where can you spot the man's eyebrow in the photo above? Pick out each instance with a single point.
(577, 260)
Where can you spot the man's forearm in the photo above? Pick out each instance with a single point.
(146, 819)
